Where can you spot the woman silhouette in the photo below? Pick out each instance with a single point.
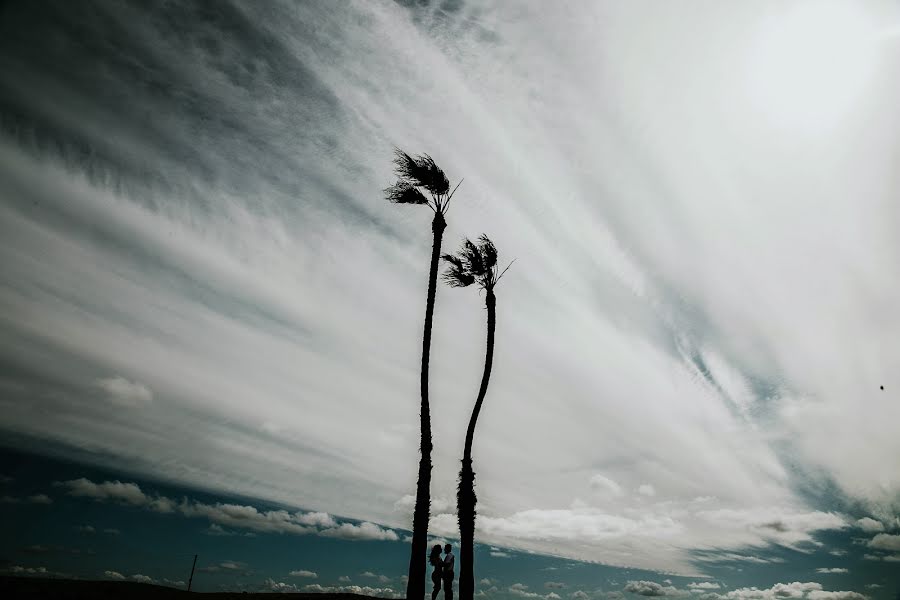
(438, 572)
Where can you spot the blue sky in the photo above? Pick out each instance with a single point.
(66, 519)
(203, 288)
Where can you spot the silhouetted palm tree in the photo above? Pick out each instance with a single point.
(473, 264)
(415, 175)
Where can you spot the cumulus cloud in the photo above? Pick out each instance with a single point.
(870, 525)
(652, 589)
(40, 499)
(235, 516)
(796, 590)
(304, 573)
(702, 585)
(20, 570)
(353, 589)
(885, 541)
(122, 392)
(142, 578)
(114, 575)
(128, 493)
(271, 585)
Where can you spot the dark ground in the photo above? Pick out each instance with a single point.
(12, 588)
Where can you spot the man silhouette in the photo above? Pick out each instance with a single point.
(447, 575)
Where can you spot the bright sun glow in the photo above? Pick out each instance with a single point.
(812, 62)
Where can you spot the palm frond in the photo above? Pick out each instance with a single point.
(456, 275)
(421, 171)
(434, 179)
(455, 278)
(405, 166)
(472, 257)
(488, 251)
(454, 261)
(403, 192)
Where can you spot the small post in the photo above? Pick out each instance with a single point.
(191, 579)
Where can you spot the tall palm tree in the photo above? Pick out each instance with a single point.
(415, 177)
(475, 263)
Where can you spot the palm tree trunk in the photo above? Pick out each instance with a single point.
(465, 493)
(415, 587)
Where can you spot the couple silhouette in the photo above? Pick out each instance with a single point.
(443, 571)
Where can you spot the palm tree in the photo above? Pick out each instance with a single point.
(413, 176)
(474, 263)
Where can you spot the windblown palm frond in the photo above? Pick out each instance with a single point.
(403, 192)
(421, 171)
(488, 251)
(435, 180)
(456, 275)
(474, 263)
(473, 258)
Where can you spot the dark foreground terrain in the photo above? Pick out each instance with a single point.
(70, 589)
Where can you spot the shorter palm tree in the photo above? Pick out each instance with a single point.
(475, 263)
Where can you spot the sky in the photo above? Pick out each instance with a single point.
(206, 300)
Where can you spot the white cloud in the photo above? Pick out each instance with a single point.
(701, 585)
(885, 541)
(40, 499)
(824, 595)
(304, 573)
(114, 575)
(831, 570)
(142, 578)
(129, 493)
(652, 589)
(870, 525)
(18, 569)
(805, 591)
(122, 392)
(85, 529)
(554, 585)
(279, 586)
(363, 531)
(353, 589)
